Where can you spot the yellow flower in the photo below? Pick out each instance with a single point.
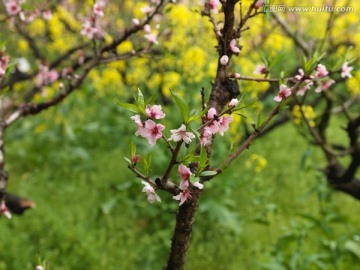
(256, 162)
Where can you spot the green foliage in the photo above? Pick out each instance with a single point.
(91, 212)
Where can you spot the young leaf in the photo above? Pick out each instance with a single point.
(208, 173)
(184, 109)
(140, 99)
(197, 116)
(128, 106)
(128, 160)
(132, 149)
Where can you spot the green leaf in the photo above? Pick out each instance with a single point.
(132, 149)
(203, 160)
(353, 247)
(208, 173)
(140, 99)
(184, 109)
(197, 116)
(128, 106)
(147, 165)
(128, 160)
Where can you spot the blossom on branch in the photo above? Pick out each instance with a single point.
(345, 70)
(224, 122)
(4, 60)
(233, 46)
(206, 135)
(89, 30)
(46, 76)
(284, 92)
(324, 85)
(12, 7)
(321, 71)
(150, 192)
(300, 75)
(214, 4)
(305, 88)
(258, 4)
(184, 173)
(98, 8)
(233, 102)
(154, 112)
(261, 69)
(224, 60)
(183, 196)
(181, 134)
(151, 131)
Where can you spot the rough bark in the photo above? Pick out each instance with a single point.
(185, 218)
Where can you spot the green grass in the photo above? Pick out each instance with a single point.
(91, 213)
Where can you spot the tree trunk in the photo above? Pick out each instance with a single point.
(185, 218)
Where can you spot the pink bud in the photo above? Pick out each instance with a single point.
(224, 60)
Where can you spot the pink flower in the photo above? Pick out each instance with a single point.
(321, 71)
(213, 4)
(147, 28)
(258, 4)
(183, 196)
(99, 8)
(39, 267)
(224, 122)
(345, 70)
(181, 134)
(206, 136)
(4, 60)
(324, 86)
(211, 113)
(137, 120)
(300, 75)
(261, 69)
(152, 131)
(224, 60)
(46, 76)
(12, 7)
(306, 87)
(88, 30)
(152, 38)
(284, 92)
(233, 46)
(147, 9)
(198, 185)
(150, 192)
(154, 112)
(184, 172)
(47, 15)
(4, 210)
(136, 21)
(233, 102)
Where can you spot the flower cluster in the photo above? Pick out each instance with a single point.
(46, 76)
(218, 125)
(152, 131)
(320, 75)
(308, 112)
(149, 129)
(91, 26)
(185, 193)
